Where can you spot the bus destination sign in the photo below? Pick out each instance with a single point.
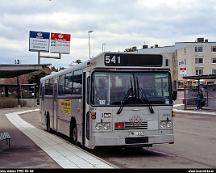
(144, 60)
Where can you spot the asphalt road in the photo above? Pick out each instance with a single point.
(194, 147)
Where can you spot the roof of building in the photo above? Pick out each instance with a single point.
(194, 42)
(158, 50)
(14, 70)
(210, 76)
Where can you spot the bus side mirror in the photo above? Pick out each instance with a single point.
(174, 95)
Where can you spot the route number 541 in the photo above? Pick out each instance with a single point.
(110, 60)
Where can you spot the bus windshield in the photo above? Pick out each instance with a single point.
(111, 88)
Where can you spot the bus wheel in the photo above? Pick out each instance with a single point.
(73, 134)
(48, 123)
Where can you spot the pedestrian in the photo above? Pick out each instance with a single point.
(199, 100)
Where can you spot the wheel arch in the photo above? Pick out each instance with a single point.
(72, 122)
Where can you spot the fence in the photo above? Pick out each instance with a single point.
(209, 93)
(26, 91)
(212, 97)
(18, 94)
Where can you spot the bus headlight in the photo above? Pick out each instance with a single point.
(103, 126)
(165, 124)
(169, 124)
(107, 115)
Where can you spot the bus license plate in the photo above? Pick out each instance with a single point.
(138, 133)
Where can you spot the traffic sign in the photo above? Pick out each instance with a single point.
(183, 70)
(39, 41)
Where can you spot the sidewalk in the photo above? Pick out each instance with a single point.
(23, 153)
(179, 108)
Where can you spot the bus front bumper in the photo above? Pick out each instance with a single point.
(108, 140)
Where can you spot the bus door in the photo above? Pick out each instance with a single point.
(55, 107)
(86, 92)
(42, 92)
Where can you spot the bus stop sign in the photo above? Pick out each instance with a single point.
(39, 41)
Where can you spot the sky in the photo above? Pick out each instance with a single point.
(119, 24)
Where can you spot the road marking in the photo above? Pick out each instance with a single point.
(63, 152)
(194, 112)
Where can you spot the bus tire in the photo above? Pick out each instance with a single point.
(47, 123)
(73, 133)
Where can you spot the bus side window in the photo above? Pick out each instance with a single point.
(48, 87)
(61, 85)
(68, 83)
(77, 82)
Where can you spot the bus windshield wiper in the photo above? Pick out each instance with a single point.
(129, 92)
(123, 101)
(143, 97)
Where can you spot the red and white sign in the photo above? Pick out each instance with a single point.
(183, 70)
(60, 43)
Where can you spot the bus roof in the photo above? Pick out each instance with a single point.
(137, 60)
(75, 67)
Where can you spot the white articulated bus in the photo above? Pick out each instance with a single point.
(114, 99)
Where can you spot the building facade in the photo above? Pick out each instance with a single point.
(187, 58)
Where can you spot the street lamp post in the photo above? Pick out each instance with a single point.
(103, 47)
(17, 61)
(89, 42)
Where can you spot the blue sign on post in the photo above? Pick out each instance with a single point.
(39, 41)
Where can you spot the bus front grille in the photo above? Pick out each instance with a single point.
(132, 125)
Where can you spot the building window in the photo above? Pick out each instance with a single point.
(198, 49)
(199, 71)
(213, 60)
(166, 62)
(213, 48)
(198, 60)
(213, 71)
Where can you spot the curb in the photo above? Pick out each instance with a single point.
(194, 112)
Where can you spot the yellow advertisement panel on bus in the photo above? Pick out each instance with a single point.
(65, 106)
